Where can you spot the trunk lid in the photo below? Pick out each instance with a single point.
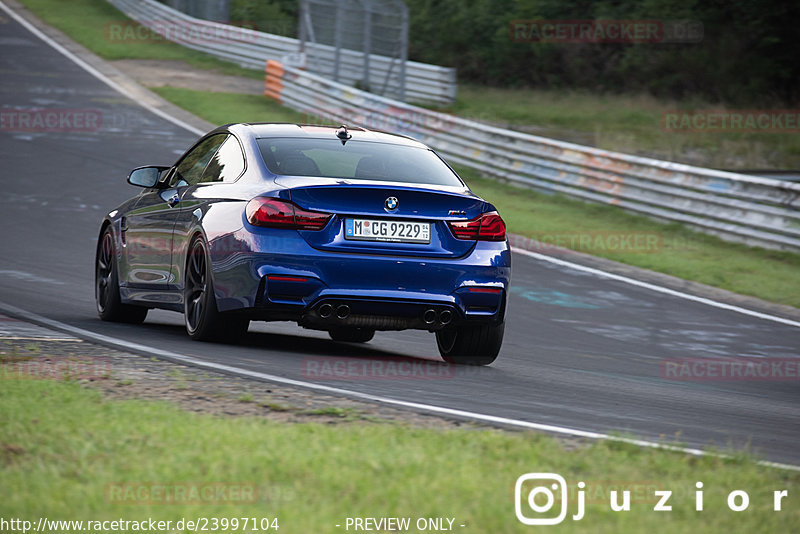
(368, 201)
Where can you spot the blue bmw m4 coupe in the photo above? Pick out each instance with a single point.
(344, 230)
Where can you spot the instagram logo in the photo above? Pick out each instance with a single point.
(538, 493)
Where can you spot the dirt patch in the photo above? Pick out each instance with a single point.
(176, 73)
(9, 452)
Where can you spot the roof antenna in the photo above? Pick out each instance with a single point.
(343, 134)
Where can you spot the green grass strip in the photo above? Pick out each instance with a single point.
(67, 453)
(103, 29)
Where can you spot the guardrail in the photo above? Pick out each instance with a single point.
(428, 84)
(757, 211)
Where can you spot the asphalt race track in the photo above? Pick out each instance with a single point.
(581, 351)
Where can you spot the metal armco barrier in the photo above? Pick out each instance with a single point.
(757, 211)
(428, 84)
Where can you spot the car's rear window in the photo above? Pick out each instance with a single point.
(355, 160)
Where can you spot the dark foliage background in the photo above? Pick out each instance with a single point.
(749, 54)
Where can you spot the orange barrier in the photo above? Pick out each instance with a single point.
(273, 84)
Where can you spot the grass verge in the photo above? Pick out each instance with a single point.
(592, 228)
(225, 108)
(103, 29)
(626, 123)
(70, 454)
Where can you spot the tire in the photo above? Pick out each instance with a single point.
(106, 286)
(203, 321)
(470, 345)
(352, 334)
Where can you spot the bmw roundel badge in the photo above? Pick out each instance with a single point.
(391, 203)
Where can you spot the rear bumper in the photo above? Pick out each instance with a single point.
(333, 311)
(282, 277)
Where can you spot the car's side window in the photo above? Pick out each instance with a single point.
(227, 164)
(190, 169)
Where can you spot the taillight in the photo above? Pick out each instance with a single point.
(276, 213)
(486, 227)
(493, 290)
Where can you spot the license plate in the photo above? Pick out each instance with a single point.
(394, 231)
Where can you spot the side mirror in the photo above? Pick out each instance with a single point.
(146, 176)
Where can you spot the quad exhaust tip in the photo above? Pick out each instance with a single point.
(326, 310)
(343, 311)
(429, 316)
